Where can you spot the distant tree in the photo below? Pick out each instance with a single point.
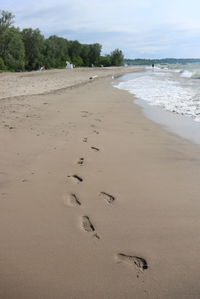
(77, 61)
(34, 44)
(140, 61)
(94, 54)
(74, 52)
(13, 53)
(11, 45)
(117, 58)
(84, 54)
(28, 49)
(6, 20)
(105, 61)
(56, 52)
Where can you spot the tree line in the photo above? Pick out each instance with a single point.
(140, 61)
(28, 49)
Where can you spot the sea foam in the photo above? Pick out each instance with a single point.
(172, 89)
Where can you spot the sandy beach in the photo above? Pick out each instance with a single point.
(96, 201)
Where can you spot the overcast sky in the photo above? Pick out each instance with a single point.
(140, 28)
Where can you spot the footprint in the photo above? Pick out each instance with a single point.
(96, 236)
(76, 178)
(24, 180)
(87, 224)
(73, 200)
(96, 132)
(95, 148)
(85, 113)
(109, 198)
(97, 119)
(139, 262)
(85, 139)
(80, 161)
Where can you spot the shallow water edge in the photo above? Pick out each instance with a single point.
(178, 124)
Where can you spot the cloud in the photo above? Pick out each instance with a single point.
(145, 27)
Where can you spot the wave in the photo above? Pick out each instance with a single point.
(171, 91)
(190, 74)
(190, 71)
(186, 74)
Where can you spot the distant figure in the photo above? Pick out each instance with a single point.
(153, 65)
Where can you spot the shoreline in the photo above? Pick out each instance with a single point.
(181, 125)
(97, 201)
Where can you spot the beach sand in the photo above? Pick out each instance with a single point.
(96, 200)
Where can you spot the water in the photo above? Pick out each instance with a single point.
(175, 88)
(169, 95)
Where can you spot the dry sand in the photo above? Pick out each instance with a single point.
(36, 82)
(96, 200)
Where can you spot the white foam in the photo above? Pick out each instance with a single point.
(161, 88)
(186, 74)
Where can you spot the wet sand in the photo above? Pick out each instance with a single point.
(96, 200)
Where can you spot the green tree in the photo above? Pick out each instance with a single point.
(117, 58)
(94, 54)
(75, 53)
(34, 44)
(56, 52)
(77, 61)
(105, 61)
(84, 54)
(6, 20)
(11, 45)
(13, 53)
(29, 49)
